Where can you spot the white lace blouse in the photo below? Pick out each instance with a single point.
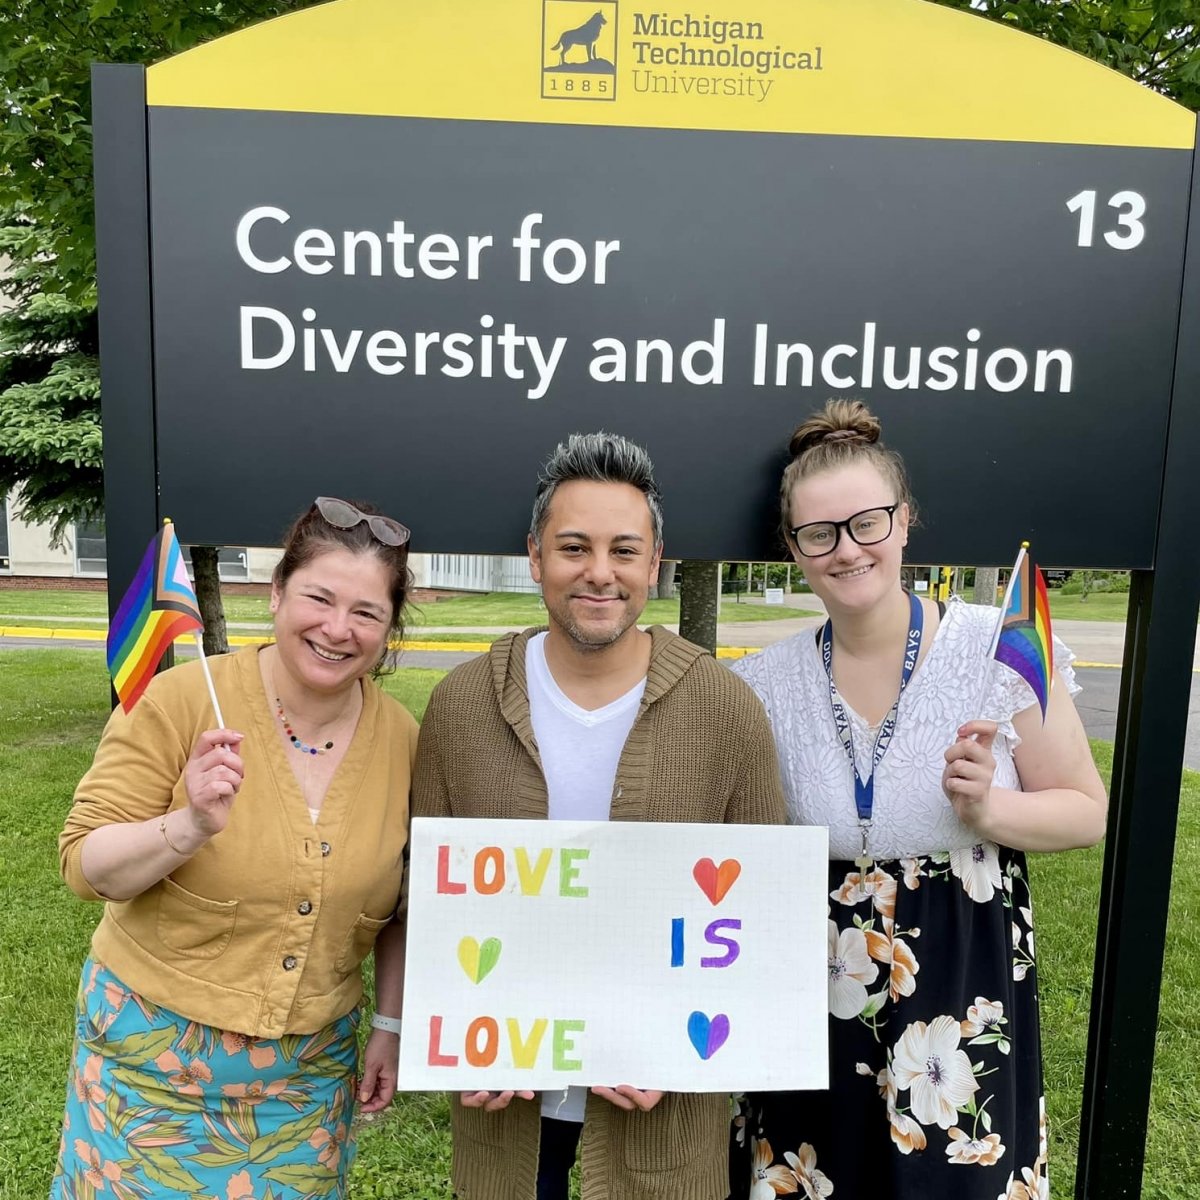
(912, 816)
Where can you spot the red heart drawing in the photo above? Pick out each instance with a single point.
(715, 881)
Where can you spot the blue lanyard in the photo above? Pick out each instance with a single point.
(864, 789)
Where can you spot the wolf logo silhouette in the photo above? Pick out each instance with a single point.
(581, 64)
(586, 36)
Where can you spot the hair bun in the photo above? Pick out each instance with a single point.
(839, 421)
(844, 433)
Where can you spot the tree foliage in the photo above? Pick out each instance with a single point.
(50, 437)
(46, 52)
(50, 440)
(1156, 42)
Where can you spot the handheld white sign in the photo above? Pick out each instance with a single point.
(543, 954)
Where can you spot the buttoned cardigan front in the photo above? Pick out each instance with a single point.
(263, 931)
(700, 750)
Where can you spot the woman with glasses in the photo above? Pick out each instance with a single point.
(933, 780)
(246, 873)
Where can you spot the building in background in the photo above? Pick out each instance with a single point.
(26, 549)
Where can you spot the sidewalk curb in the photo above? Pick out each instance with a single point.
(33, 633)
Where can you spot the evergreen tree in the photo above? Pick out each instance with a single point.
(50, 438)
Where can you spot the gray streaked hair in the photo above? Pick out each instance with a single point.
(604, 458)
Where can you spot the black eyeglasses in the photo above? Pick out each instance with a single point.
(343, 515)
(818, 538)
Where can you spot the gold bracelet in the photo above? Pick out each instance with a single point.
(162, 828)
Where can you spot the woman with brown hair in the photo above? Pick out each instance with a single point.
(931, 800)
(246, 873)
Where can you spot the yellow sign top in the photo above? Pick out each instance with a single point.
(887, 68)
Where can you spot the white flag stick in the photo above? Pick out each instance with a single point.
(985, 673)
(212, 691)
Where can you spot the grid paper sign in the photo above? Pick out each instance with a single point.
(543, 954)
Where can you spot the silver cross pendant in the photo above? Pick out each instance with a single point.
(864, 862)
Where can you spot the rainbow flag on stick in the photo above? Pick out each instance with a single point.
(1022, 641)
(159, 606)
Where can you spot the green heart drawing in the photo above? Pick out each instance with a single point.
(478, 960)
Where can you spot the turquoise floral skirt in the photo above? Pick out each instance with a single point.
(160, 1106)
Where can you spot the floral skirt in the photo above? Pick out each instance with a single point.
(935, 1085)
(159, 1106)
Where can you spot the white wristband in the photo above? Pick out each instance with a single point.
(387, 1024)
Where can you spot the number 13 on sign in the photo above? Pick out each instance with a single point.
(1130, 206)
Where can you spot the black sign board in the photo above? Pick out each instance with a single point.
(385, 333)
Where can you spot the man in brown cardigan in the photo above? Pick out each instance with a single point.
(595, 719)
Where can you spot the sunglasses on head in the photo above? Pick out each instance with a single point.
(343, 515)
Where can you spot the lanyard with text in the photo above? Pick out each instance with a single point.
(864, 789)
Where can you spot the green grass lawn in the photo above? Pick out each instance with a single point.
(50, 604)
(411, 634)
(493, 608)
(1099, 606)
(1066, 890)
(526, 608)
(53, 704)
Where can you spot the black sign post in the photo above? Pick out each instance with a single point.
(1156, 681)
(370, 261)
(127, 365)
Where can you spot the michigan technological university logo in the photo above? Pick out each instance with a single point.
(579, 49)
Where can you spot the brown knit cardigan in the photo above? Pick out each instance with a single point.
(700, 750)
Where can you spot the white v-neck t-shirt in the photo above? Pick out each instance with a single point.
(580, 750)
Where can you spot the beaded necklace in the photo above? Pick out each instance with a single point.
(296, 742)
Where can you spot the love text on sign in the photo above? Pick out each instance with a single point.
(548, 954)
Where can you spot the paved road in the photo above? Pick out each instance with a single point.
(1097, 705)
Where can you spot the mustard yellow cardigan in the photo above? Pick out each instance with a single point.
(263, 931)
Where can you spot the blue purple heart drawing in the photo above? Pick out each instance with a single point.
(708, 1035)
